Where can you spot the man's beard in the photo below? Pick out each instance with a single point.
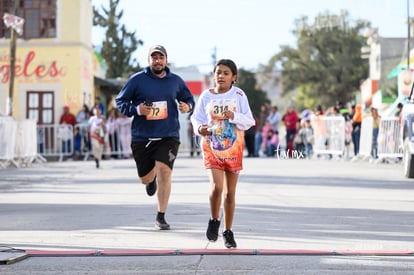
(157, 71)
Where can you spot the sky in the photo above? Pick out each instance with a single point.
(249, 32)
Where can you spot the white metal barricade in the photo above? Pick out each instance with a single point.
(389, 138)
(26, 142)
(117, 142)
(124, 138)
(8, 130)
(329, 135)
(55, 140)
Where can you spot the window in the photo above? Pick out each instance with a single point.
(39, 16)
(40, 106)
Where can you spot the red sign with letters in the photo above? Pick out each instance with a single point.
(29, 68)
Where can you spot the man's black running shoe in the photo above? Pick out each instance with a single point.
(151, 187)
(161, 224)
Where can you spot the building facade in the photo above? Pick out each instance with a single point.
(54, 59)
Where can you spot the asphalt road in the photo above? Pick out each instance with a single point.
(292, 217)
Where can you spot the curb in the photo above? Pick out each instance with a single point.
(182, 252)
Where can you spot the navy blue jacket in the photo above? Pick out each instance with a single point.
(145, 86)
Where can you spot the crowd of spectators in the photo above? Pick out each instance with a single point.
(262, 140)
(301, 129)
(110, 129)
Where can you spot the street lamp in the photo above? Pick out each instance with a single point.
(15, 24)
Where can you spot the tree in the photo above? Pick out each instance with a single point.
(247, 82)
(119, 44)
(326, 66)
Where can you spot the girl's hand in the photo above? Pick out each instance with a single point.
(228, 114)
(203, 130)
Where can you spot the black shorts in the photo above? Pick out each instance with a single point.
(145, 153)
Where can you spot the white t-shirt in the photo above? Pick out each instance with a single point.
(243, 117)
(95, 124)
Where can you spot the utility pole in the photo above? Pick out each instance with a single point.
(13, 37)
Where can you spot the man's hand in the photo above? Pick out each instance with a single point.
(144, 109)
(184, 107)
